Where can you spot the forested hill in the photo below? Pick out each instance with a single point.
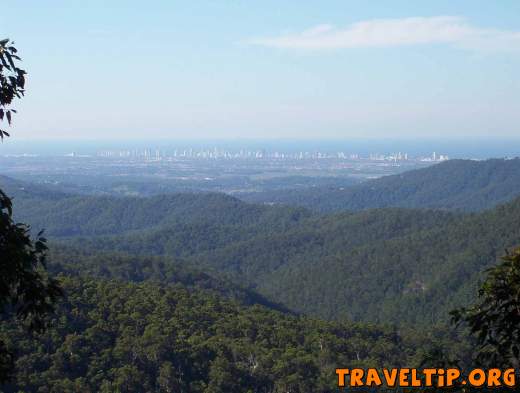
(111, 336)
(158, 269)
(456, 184)
(398, 265)
(72, 215)
(19, 189)
(389, 264)
(135, 323)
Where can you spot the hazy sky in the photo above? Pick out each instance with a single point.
(275, 69)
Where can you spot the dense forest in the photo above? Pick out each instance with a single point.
(65, 215)
(380, 265)
(164, 270)
(160, 291)
(111, 336)
(456, 184)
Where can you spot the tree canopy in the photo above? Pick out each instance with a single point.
(495, 317)
(12, 81)
(26, 291)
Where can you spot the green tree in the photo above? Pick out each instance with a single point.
(495, 318)
(12, 81)
(26, 291)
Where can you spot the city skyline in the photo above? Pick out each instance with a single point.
(220, 153)
(454, 148)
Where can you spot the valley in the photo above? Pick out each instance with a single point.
(336, 275)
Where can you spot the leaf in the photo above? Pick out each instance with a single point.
(10, 59)
(4, 62)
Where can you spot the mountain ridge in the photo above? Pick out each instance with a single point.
(386, 264)
(465, 185)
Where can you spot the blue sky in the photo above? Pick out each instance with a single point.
(267, 69)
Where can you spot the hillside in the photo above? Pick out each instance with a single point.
(18, 189)
(397, 265)
(164, 270)
(65, 215)
(456, 185)
(382, 265)
(416, 277)
(110, 336)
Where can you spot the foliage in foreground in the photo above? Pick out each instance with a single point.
(495, 318)
(26, 291)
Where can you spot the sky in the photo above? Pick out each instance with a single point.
(266, 69)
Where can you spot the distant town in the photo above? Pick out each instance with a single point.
(147, 171)
(216, 153)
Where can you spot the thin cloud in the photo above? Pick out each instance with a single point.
(450, 30)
